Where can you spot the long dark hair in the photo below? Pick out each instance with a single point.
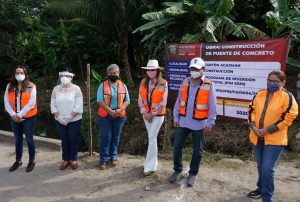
(13, 84)
(158, 77)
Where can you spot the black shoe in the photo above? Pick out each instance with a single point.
(254, 194)
(191, 180)
(30, 166)
(174, 177)
(15, 166)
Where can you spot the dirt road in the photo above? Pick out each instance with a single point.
(126, 182)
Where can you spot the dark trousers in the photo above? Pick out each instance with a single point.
(69, 135)
(25, 127)
(266, 157)
(110, 131)
(180, 137)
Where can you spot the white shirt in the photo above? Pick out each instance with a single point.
(20, 112)
(67, 100)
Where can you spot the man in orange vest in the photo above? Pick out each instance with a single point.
(194, 112)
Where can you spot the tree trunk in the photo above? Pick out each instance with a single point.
(123, 40)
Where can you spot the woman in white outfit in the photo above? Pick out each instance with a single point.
(152, 101)
(67, 108)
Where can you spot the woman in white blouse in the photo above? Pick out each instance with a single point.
(67, 108)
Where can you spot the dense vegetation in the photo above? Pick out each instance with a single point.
(45, 35)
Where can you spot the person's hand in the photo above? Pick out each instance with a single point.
(176, 124)
(21, 120)
(118, 111)
(68, 119)
(61, 120)
(263, 132)
(16, 118)
(257, 132)
(206, 130)
(113, 113)
(73, 114)
(56, 114)
(148, 117)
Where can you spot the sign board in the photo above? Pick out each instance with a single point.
(238, 69)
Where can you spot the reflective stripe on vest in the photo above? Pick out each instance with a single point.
(156, 96)
(24, 99)
(200, 111)
(121, 95)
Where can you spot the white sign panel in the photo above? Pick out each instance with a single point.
(239, 79)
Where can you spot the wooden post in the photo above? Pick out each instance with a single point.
(88, 97)
(167, 131)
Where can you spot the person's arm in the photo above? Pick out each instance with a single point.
(7, 105)
(127, 99)
(125, 103)
(143, 111)
(100, 100)
(53, 106)
(31, 103)
(212, 108)
(78, 107)
(141, 105)
(163, 103)
(290, 107)
(252, 112)
(251, 117)
(176, 108)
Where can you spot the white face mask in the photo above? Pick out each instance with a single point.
(195, 74)
(20, 77)
(65, 80)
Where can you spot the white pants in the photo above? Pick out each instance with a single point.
(151, 161)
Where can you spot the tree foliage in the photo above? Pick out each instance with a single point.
(187, 21)
(113, 18)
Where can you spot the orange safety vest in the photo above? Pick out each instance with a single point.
(24, 99)
(201, 101)
(156, 96)
(107, 98)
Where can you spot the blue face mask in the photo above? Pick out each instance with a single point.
(272, 87)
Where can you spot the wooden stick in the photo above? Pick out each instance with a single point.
(88, 93)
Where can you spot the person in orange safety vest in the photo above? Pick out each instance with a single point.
(113, 99)
(152, 102)
(20, 103)
(194, 113)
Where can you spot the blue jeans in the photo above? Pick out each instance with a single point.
(26, 127)
(110, 131)
(198, 140)
(69, 135)
(266, 158)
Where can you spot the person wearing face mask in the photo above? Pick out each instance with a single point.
(67, 107)
(271, 111)
(20, 103)
(152, 102)
(195, 112)
(113, 99)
